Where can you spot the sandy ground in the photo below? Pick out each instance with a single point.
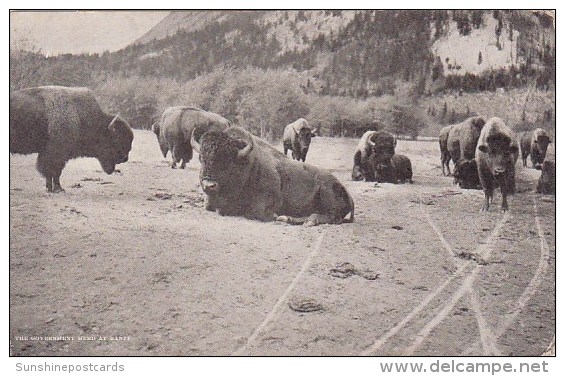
(132, 264)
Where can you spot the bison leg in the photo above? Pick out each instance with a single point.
(49, 183)
(177, 156)
(312, 220)
(51, 169)
(488, 199)
(187, 156)
(57, 184)
(445, 165)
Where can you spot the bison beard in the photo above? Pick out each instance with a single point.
(60, 124)
(251, 179)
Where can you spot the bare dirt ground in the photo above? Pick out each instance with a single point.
(132, 264)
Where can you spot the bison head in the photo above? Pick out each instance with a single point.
(357, 173)
(304, 136)
(478, 122)
(466, 174)
(382, 148)
(501, 153)
(223, 159)
(115, 147)
(156, 128)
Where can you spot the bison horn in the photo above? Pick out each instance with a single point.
(113, 120)
(243, 153)
(195, 145)
(371, 142)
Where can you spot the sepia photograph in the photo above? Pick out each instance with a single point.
(282, 183)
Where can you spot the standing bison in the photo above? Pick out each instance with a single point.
(546, 182)
(534, 144)
(175, 129)
(244, 176)
(445, 156)
(397, 170)
(496, 154)
(62, 123)
(297, 137)
(462, 141)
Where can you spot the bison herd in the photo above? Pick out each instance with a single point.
(243, 175)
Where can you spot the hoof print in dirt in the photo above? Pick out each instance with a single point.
(423, 201)
(76, 185)
(305, 305)
(91, 179)
(345, 270)
(396, 227)
(472, 257)
(160, 196)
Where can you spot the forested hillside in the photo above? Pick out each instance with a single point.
(396, 59)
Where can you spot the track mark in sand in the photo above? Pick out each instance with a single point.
(395, 329)
(487, 338)
(484, 250)
(272, 315)
(532, 287)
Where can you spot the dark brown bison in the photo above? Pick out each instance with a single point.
(245, 176)
(296, 138)
(462, 140)
(467, 174)
(397, 170)
(445, 156)
(546, 182)
(377, 151)
(361, 168)
(175, 129)
(496, 155)
(62, 123)
(535, 145)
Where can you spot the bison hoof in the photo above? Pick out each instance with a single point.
(485, 208)
(309, 223)
(57, 190)
(504, 208)
(283, 218)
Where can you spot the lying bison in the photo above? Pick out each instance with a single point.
(361, 168)
(62, 123)
(445, 156)
(546, 182)
(397, 170)
(244, 176)
(175, 129)
(535, 144)
(297, 137)
(496, 154)
(375, 149)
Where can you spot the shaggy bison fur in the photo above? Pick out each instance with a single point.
(245, 176)
(62, 123)
(175, 129)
